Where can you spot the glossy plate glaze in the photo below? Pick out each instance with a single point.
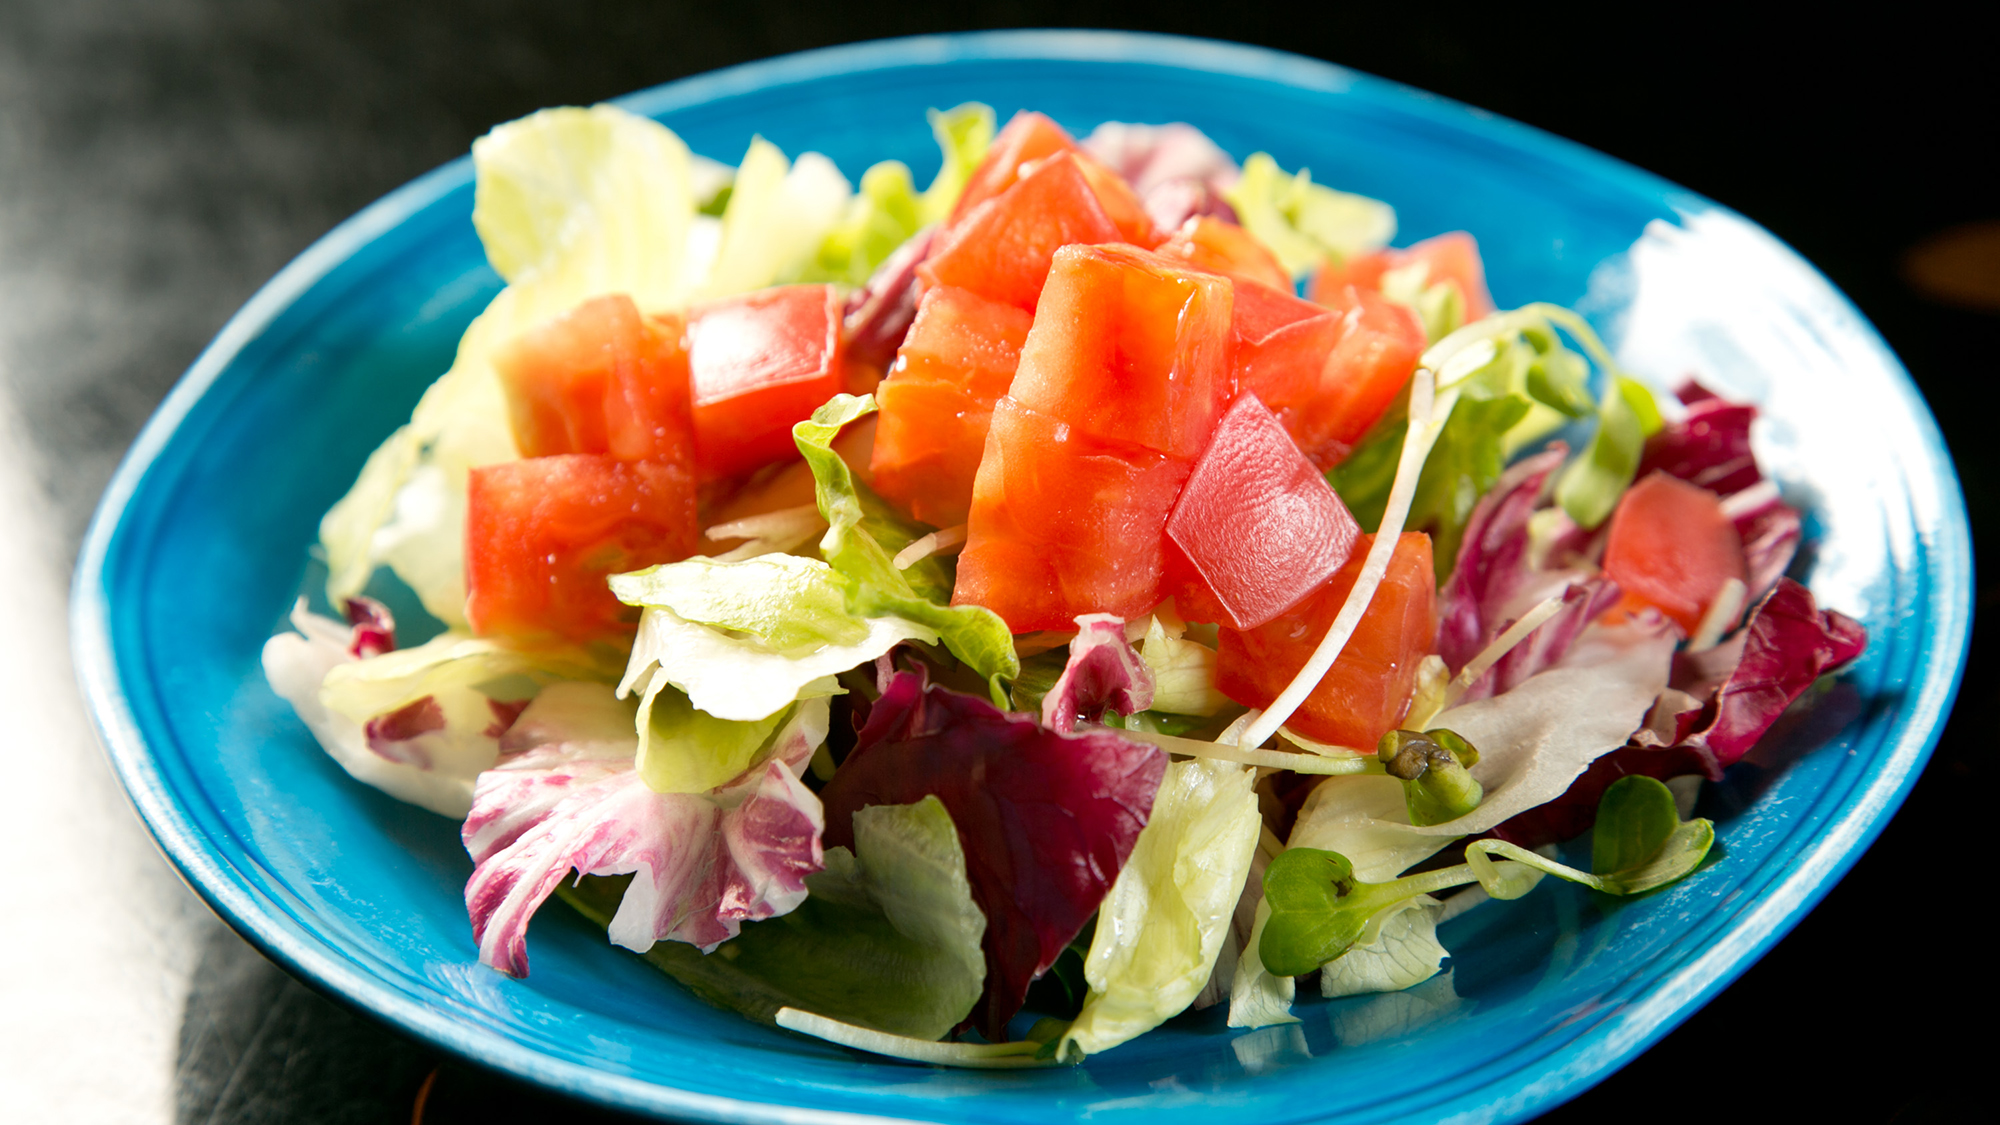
(203, 538)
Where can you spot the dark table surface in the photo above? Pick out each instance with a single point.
(159, 159)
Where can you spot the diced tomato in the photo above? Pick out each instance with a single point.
(1366, 692)
(1452, 257)
(1002, 249)
(1671, 546)
(601, 379)
(542, 534)
(1220, 246)
(1121, 204)
(1281, 344)
(760, 363)
(958, 358)
(1258, 527)
(1380, 343)
(1064, 523)
(1027, 138)
(1130, 346)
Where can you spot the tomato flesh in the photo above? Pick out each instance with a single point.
(1671, 546)
(542, 534)
(1380, 343)
(1028, 137)
(958, 358)
(1220, 246)
(1121, 204)
(1130, 346)
(1002, 249)
(1366, 692)
(1258, 526)
(759, 363)
(1064, 523)
(601, 379)
(1452, 257)
(1281, 344)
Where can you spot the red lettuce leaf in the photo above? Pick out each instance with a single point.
(1583, 602)
(1770, 532)
(1710, 447)
(879, 314)
(1789, 643)
(1493, 562)
(1047, 820)
(1103, 672)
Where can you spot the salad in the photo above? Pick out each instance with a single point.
(890, 611)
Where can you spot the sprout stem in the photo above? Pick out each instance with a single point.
(989, 1056)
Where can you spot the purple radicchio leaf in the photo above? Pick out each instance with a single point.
(1698, 728)
(1047, 820)
(1789, 643)
(397, 735)
(564, 797)
(1176, 170)
(1710, 447)
(879, 313)
(1584, 600)
(1770, 530)
(374, 628)
(1104, 671)
(1493, 564)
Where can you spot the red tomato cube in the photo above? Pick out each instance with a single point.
(1281, 344)
(1064, 523)
(1001, 249)
(1380, 343)
(1671, 546)
(1258, 526)
(1130, 346)
(1452, 257)
(1029, 137)
(542, 534)
(958, 358)
(1121, 204)
(601, 379)
(1367, 691)
(1220, 246)
(760, 363)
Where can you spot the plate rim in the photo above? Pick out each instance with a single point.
(1795, 886)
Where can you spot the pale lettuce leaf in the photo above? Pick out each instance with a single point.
(564, 797)
(1306, 224)
(779, 213)
(1162, 925)
(1398, 949)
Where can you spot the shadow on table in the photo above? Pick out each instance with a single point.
(257, 1046)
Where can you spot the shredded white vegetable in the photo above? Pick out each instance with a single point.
(978, 1055)
(944, 541)
(1503, 644)
(1720, 616)
(1232, 752)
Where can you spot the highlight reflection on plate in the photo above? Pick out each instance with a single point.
(202, 540)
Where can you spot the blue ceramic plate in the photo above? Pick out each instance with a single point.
(202, 540)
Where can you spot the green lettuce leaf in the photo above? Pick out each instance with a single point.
(738, 676)
(889, 210)
(683, 750)
(887, 939)
(1161, 927)
(779, 211)
(1398, 948)
(1306, 224)
(1591, 484)
(862, 538)
(1183, 673)
(792, 605)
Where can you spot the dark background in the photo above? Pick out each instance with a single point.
(161, 160)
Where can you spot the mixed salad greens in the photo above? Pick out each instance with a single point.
(890, 602)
